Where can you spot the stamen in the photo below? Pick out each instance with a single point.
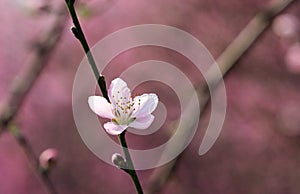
(124, 108)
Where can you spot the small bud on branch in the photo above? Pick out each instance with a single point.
(75, 32)
(47, 159)
(119, 161)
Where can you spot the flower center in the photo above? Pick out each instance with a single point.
(123, 109)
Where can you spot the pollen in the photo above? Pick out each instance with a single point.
(123, 109)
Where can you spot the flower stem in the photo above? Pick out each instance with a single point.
(131, 171)
(78, 33)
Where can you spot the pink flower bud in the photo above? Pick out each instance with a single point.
(48, 158)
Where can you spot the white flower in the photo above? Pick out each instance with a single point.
(123, 110)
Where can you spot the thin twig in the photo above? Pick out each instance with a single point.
(226, 61)
(32, 158)
(129, 162)
(78, 33)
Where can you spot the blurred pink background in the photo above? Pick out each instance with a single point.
(258, 150)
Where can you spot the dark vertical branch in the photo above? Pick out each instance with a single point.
(78, 33)
(130, 165)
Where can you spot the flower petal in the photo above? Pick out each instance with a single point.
(118, 90)
(144, 105)
(142, 122)
(100, 106)
(114, 129)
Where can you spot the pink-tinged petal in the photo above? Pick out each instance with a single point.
(117, 89)
(144, 105)
(114, 129)
(100, 106)
(142, 122)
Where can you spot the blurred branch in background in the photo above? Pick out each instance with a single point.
(241, 44)
(22, 84)
(32, 158)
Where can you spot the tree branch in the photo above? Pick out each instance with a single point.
(32, 158)
(241, 44)
(22, 84)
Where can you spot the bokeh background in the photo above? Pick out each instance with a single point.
(258, 150)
